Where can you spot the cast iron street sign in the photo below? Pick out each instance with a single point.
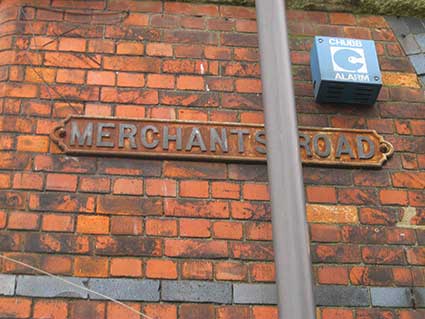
(87, 135)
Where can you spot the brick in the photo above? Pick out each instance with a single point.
(342, 18)
(12, 200)
(255, 191)
(101, 46)
(118, 311)
(56, 243)
(15, 124)
(393, 197)
(254, 211)
(126, 289)
(416, 256)
(161, 187)
(40, 75)
(159, 49)
(160, 81)
(161, 227)
(378, 216)
(42, 286)
(86, 309)
(233, 312)
(130, 48)
(231, 271)
(227, 230)
(100, 78)
(127, 246)
(92, 224)
(409, 180)
(196, 291)
(391, 297)
(131, 79)
(190, 37)
(72, 60)
(56, 222)
(262, 272)
(251, 251)
(264, 312)
(138, 19)
(61, 182)
(126, 267)
(255, 294)
(3, 217)
(197, 270)
(383, 255)
(128, 186)
(50, 308)
(196, 248)
(336, 253)
(133, 96)
(329, 295)
(195, 228)
(321, 194)
(57, 264)
(94, 184)
(30, 143)
(7, 285)
(332, 275)
(15, 307)
(400, 79)
(161, 269)
(225, 190)
(72, 44)
(217, 53)
(371, 276)
(357, 196)
(134, 64)
(165, 21)
(196, 208)
(186, 82)
(258, 231)
(248, 86)
(193, 311)
(28, 181)
(192, 115)
(337, 313)
(129, 205)
(86, 266)
(332, 214)
(191, 9)
(23, 221)
(166, 311)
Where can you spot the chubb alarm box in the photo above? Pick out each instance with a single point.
(345, 71)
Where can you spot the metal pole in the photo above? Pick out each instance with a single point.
(290, 232)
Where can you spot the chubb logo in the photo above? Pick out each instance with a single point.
(348, 60)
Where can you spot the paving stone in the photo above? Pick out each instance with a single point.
(341, 296)
(409, 44)
(419, 294)
(265, 294)
(196, 291)
(398, 25)
(415, 25)
(125, 289)
(7, 285)
(391, 297)
(43, 286)
(420, 39)
(418, 61)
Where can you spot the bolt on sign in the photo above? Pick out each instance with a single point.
(211, 141)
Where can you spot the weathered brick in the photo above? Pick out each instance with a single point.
(87, 224)
(231, 271)
(87, 266)
(23, 221)
(197, 269)
(196, 208)
(196, 248)
(128, 205)
(127, 246)
(15, 307)
(55, 308)
(161, 269)
(126, 267)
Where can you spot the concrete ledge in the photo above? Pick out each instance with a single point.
(201, 291)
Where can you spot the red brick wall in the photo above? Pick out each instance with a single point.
(174, 220)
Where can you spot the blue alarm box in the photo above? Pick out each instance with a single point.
(345, 71)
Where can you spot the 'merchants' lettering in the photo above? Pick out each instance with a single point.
(213, 141)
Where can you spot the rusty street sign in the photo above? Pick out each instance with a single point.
(87, 135)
